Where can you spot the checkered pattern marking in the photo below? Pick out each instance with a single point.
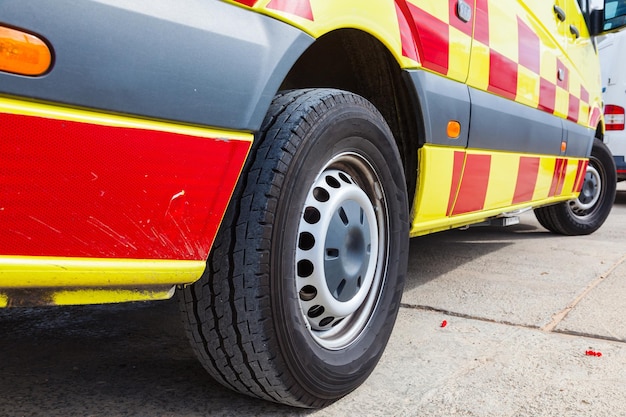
(532, 73)
(514, 49)
(443, 40)
(470, 183)
(470, 195)
(300, 8)
(476, 175)
(526, 179)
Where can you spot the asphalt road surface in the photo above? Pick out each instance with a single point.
(524, 310)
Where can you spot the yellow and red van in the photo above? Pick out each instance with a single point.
(268, 160)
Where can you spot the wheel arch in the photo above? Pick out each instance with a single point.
(600, 130)
(355, 61)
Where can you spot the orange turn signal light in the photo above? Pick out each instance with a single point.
(23, 53)
(454, 129)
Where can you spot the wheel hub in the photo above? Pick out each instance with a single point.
(590, 192)
(337, 236)
(347, 251)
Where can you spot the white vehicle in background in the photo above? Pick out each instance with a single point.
(612, 50)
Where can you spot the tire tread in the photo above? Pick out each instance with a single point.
(236, 351)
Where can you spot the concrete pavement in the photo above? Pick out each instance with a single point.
(522, 308)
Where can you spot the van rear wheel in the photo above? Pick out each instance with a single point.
(586, 213)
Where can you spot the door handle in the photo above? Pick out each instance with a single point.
(574, 30)
(560, 13)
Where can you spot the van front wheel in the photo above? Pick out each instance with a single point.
(305, 278)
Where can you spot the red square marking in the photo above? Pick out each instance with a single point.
(434, 40)
(455, 21)
(409, 49)
(562, 79)
(481, 25)
(547, 96)
(300, 8)
(584, 95)
(502, 75)
(528, 47)
(474, 183)
(526, 179)
(574, 108)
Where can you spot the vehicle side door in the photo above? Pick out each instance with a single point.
(585, 96)
(517, 102)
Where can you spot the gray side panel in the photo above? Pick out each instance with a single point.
(501, 124)
(579, 139)
(442, 100)
(195, 61)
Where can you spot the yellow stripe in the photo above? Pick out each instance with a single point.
(378, 18)
(97, 296)
(459, 54)
(502, 179)
(433, 184)
(26, 108)
(32, 297)
(528, 88)
(480, 65)
(55, 272)
(435, 179)
(570, 176)
(544, 178)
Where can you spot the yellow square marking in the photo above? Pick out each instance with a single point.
(584, 113)
(548, 65)
(437, 8)
(527, 87)
(574, 84)
(502, 180)
(570, 176)
(479, 66)
(561, 106)
(431, 199)
(544, 178)
(459, 54)
(503, 37)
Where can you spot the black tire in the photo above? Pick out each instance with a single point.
(585, 214)
(293, 308)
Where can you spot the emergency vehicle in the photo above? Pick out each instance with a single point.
(268, 160)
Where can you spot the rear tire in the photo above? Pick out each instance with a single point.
(305, 278)
(585, 214)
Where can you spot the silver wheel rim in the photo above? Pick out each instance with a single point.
(341, 251)
(589, 194)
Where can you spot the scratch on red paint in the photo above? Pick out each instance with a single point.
(41, 222)
(110, 232)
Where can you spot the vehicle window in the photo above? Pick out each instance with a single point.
(614, 14)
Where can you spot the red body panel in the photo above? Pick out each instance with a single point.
(77, 189)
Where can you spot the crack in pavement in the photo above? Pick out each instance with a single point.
(509, 323)
(560, 316)
(465, 316)
(557, 318)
